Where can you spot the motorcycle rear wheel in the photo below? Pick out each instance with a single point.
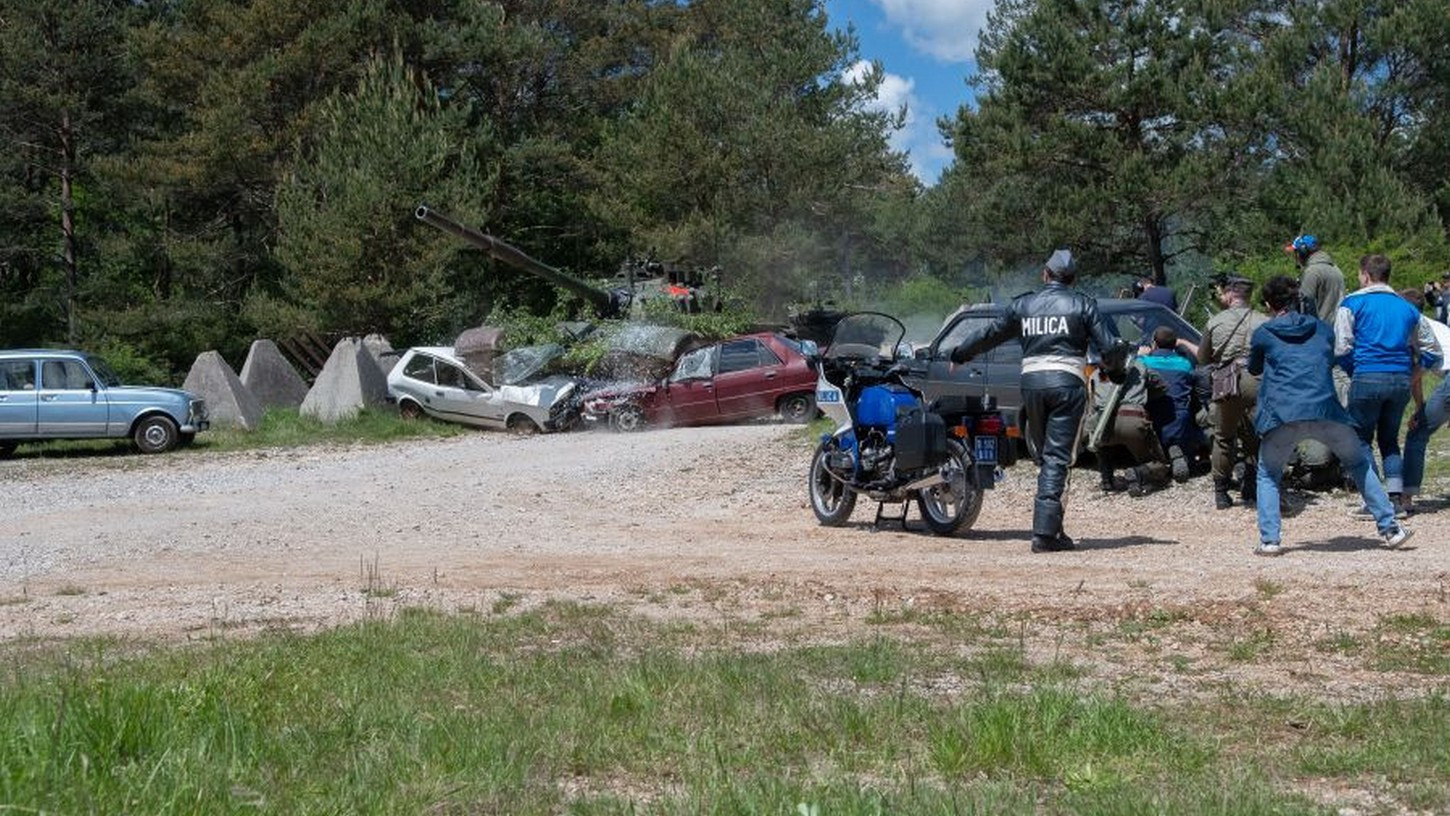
(954, 505)
(831, 500)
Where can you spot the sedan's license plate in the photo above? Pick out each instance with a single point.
(985, 449)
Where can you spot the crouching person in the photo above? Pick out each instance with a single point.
(1294, 353)
(1122, 435)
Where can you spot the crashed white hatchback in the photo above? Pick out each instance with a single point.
(432, 380)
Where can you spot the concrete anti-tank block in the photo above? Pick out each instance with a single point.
(228, 401)
(349, 381)
(270, 378)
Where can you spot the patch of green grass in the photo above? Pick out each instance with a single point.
(1417, 643)
(285, 427)
(1340, 642)
(504, 602)
(1267, 589)
(569, 708)
(70, 590)
(373, 583)
(279, 428)
(1245, 649)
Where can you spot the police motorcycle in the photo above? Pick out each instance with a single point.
(890, 446)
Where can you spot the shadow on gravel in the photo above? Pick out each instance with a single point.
(1121, 542)
(1368, 541)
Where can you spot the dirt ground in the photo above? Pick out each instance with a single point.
(711, 525)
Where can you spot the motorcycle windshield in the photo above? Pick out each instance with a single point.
(865, 336)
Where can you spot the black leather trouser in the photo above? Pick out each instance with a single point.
(1054, 420)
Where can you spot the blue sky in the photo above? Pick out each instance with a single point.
(925, 47)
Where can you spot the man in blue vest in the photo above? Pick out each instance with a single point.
(1375, 337)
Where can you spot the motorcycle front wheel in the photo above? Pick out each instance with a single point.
(954, 504)
(831, 500)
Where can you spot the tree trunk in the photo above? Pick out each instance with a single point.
(1153, 229)
(67, 226)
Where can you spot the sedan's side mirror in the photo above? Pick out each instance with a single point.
(923, 354)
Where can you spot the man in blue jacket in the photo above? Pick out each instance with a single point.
(1295, 353)
(1375, 336)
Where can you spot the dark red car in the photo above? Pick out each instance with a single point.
(747, 377)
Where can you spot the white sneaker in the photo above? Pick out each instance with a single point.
(1269, 548)
(1398, 536)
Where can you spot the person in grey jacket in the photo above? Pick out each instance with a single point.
(1055, 326)
(1294, 353)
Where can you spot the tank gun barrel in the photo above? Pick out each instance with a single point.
(507, 253)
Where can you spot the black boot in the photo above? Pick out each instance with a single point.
(1058, 543)
(1250, 493)
(1221, 499)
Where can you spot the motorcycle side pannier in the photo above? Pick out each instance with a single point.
(921, 441)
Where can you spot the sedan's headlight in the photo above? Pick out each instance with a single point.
(601, 405)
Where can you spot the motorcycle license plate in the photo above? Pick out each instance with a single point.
(984, 449)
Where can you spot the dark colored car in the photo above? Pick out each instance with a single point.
(747, 377)
(999, 372)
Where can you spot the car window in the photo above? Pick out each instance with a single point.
(103, 371)
(64, 375)
(768, 357)
(420, 368)
(1138, 327)
(17, 375)
(739, 355)
(453, 376)
(696, 365)
(1008, 352)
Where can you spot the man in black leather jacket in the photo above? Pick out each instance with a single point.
(1055, 327)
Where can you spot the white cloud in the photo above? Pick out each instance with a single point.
(945, 29)
(918, 136)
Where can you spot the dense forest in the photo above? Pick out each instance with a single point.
(185, 175)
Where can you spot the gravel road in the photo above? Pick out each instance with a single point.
(710, 524)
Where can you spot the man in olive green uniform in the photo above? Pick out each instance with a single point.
(1226, 344)
(1127, 437)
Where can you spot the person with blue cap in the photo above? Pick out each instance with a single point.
(1055, 326)
(1321, 282)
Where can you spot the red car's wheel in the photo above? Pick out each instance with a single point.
(627, 418)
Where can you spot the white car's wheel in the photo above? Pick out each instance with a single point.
(522, 426)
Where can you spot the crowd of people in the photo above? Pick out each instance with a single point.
(1306, 371)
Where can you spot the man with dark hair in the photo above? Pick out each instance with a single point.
(1056, 326)
(1295, 353)
(1150, 290)
(1225, 350)
(1375, 337)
